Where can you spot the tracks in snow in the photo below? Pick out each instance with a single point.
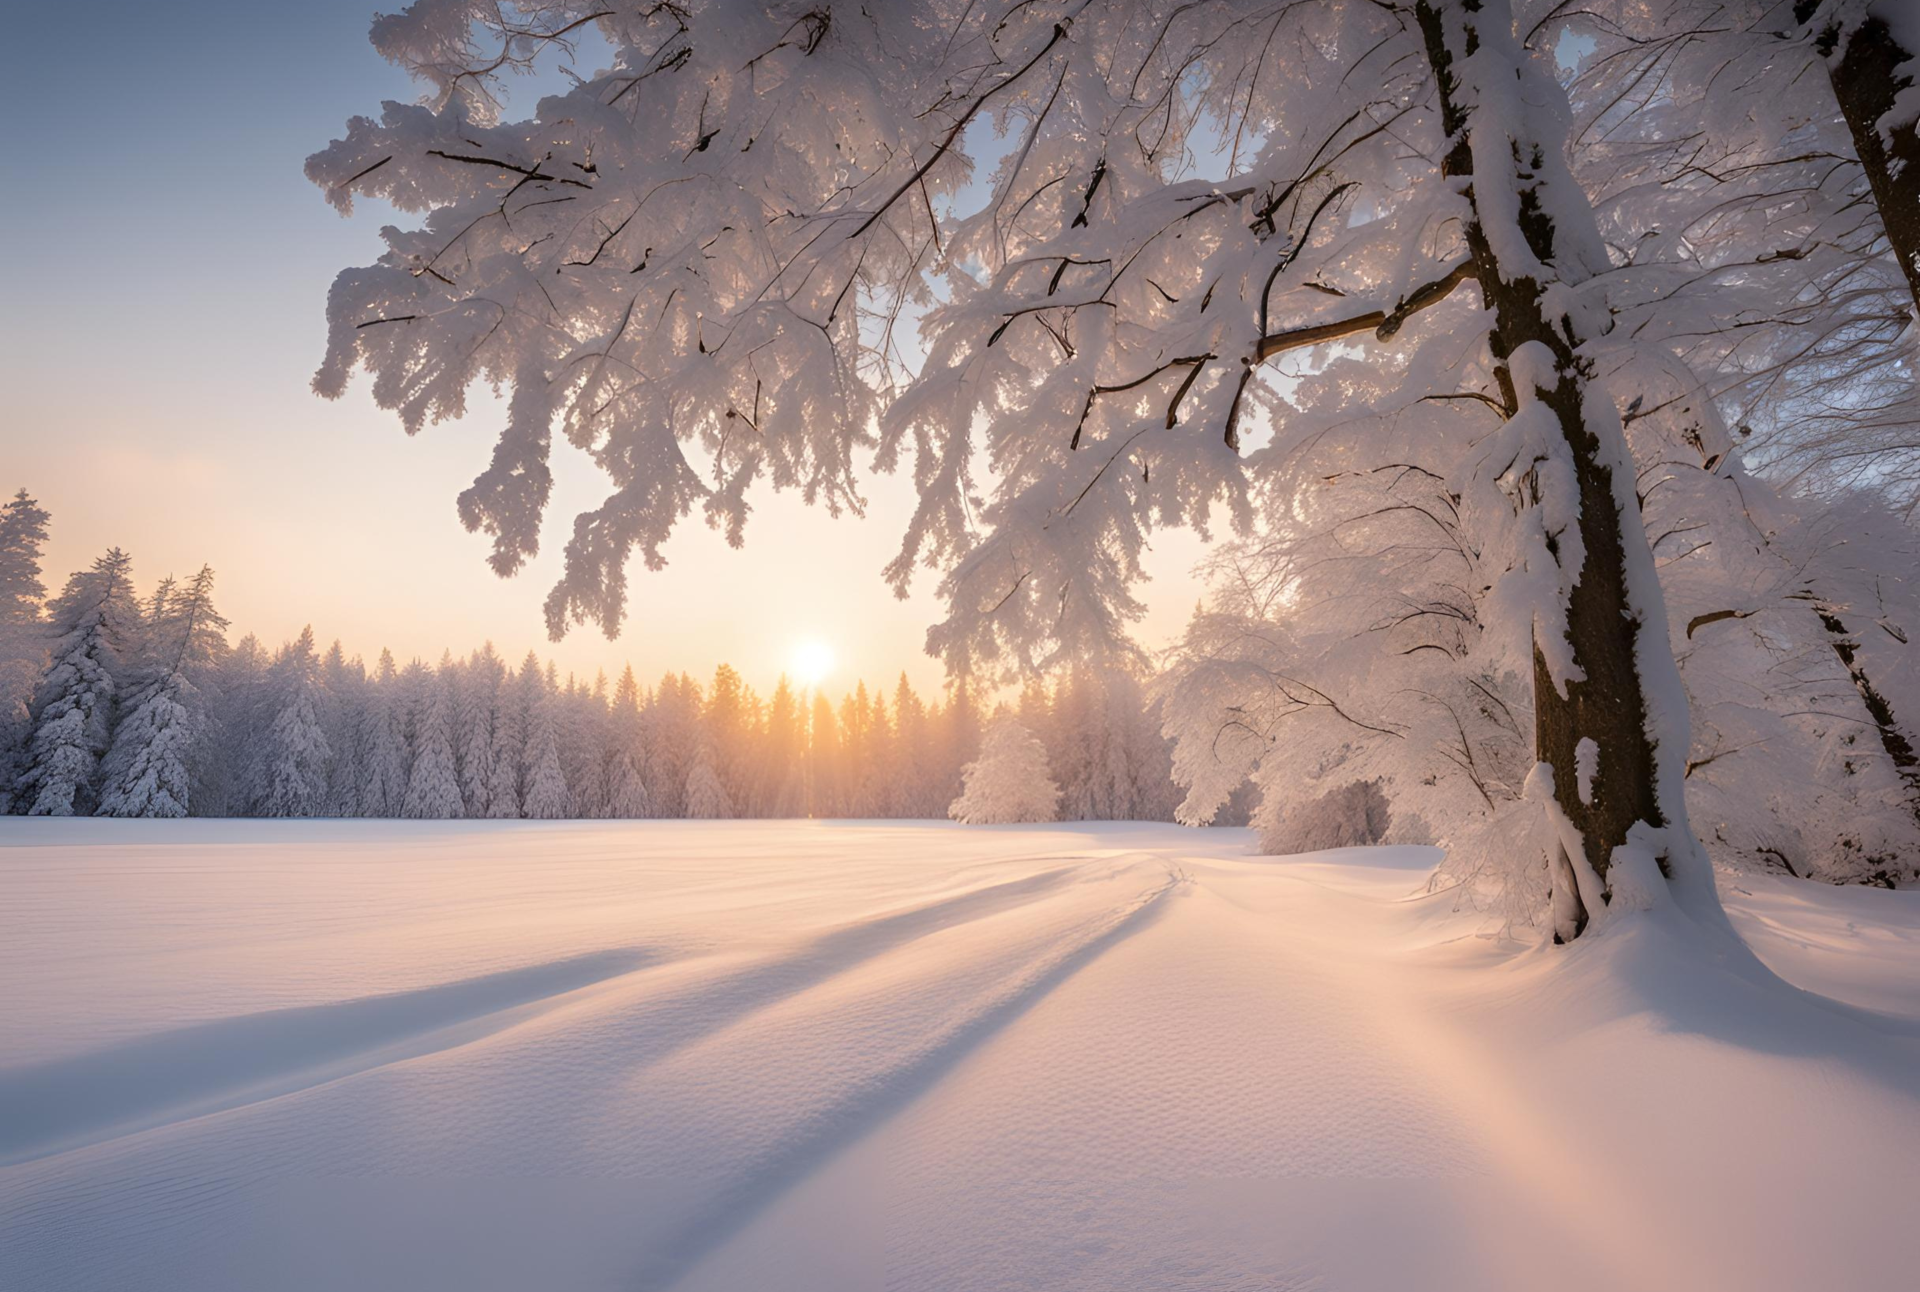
(869, 1103)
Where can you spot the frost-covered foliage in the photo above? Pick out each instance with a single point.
(23, 536)
(1350, 644)
(23, 654)
(710, 263)
(383, 776)
(1009, 782)
(292, 771)
(1754, 282)
(698, 265)
(1794, 640)
(94, 623)
(706, 796)
(543, 787)
(161, 743)
(1353, 815)
(433, 785)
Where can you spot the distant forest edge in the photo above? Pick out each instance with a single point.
(114, 703)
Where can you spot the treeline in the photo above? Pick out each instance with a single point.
(123, 704)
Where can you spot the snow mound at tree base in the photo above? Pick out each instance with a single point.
(730, 1055)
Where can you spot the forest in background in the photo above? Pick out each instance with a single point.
(120, 703)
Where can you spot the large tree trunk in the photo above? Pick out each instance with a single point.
(1865, 81)
(1605, 627)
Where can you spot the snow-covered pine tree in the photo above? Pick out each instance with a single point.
(583, 738)
(543, 794)
(706, 796)
(473, 728)
(158, 757)
(343, 686)
(383, 777)
(957, 735)
(433, 784)
(23, 535)
(23, 646)
(728, 714)
(509, 747)
(1009, 781)
(782, 783)
(240, 716)
(293, 770)
(93, 624)
(627, 797)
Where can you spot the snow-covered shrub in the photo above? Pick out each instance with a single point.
(1009, 781)
(1353, 815)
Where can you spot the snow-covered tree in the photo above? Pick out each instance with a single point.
(706, 796)
(1009, 781)
(293, 768)
(433, 785)
(23, 535)
(383, 726)
(509, 747)
(697, 264)
(155, 761)
(479, 693)
(543, 794)
(23, 646)
(343, 696)
(627, 796)
(94, 623)
(783, 763)
(1870, 48)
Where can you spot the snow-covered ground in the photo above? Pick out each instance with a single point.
(716, 1056)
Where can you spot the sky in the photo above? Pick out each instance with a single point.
(161, 315)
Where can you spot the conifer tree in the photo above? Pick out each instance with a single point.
(473, 724)
(23, 534)
(383, 780)
(1009, 781)
(544, 784)
(509, 739)
(781, 786)
(433, 786)
(153, 766)
(627, 797)
(94, 622)
(342, 696)
(294, 769)
(706, 796)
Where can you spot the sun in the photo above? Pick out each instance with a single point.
(812, 661)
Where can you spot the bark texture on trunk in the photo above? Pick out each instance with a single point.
(1609, 706)
(1865, 82)
(1899, 749)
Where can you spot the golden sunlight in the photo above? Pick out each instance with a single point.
(812, 661)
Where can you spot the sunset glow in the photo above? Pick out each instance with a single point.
(812, 661)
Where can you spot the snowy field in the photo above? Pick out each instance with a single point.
(706, 1056)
